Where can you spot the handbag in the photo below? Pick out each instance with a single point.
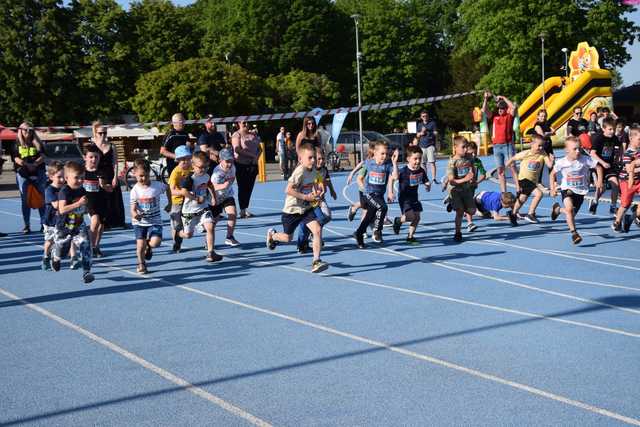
(35, 199)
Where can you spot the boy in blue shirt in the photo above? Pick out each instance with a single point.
(374, 178)
(55, 171)
(489, 204)
(409, 179)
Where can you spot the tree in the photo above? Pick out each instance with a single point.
(301, 91)
(195, 87)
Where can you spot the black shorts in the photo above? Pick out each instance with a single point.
(363, 201)
(527, 187)
(97, 205)
(291, 221)
(576, 199)
(217, 209)
(409, 205)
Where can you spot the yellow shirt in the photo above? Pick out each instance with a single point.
(177, 179)
(530, 165)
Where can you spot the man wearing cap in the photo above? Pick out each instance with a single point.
(502, 137)
(211, 142)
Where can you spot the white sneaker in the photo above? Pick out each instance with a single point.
(231, 241)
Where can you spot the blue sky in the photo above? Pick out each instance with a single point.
(630, 72)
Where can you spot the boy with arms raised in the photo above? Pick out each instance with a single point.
(531, 163)
(461, 175)
(409, 179)
(55, 171)
(629, 182)
(301, 192)
(606, 149)
(575, 168)
(224, 175)
(145, 213)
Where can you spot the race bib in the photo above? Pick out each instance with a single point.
(377, 178)
(463, 171)
(201, 190)
(533, 166)
(147, 205)
(415, 179)
(607, 152)
(91, 186)
(575, 181)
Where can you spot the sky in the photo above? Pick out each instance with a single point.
(630, 72)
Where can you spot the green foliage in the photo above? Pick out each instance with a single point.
(301, 91)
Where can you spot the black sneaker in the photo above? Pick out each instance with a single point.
(396, 225)
(359, 240)
(26, 230)
(87, 277)
(613, 209)
(616, 227)
(532, 218)
(471, 227)
(177, 244)
(412, 240)
(513, 219)
(457, 237)
(303, 248)
(318, 266)
(593, 207)
(626, 223)
(351, 214)
(271, 244)
(97, 253)
(148, 253)
(213, 257)
(55, 264)
(74, 264)
(377, 237)
(449, 207)
(46, 263)
(555, 211)
(575, 237)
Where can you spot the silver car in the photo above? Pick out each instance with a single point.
(62, 151)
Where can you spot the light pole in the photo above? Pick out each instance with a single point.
(542, 36)
(566, 66)
(356, 17)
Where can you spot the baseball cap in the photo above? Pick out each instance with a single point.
(208, 118)
(182, 151)
(226, 154)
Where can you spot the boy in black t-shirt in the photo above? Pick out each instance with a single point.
(55, 171)
(607, 151)
(71, 230)
(96, 188)
(409, 178)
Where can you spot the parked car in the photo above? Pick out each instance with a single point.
(351, 140)
(63, 151)
(401, 140)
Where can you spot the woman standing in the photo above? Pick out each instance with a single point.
(594, 126)
(30, 169)
(108, 169)
(246, 148)
(309, 133)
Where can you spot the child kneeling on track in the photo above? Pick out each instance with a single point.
(531, 163)
(176, 182)
(376, 176)
(461, 175)
(489, 203)
(145, 213)
(71, 230)
(222, 179)
(629, 183)
(196, 209)
(409, 179)
(575, 168)
(320, 209)
(55, 172)
(606, 149)
(301, 192)
(96, 188)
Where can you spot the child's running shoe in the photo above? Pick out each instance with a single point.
(521, 216)
(303, 248)
(271, 244)
(231, 241)
(148, 253)
(87, 277)
(55, 264)
(613, 209)
(593, 207)
(617, 227)
(74, 264)
(457, 237)
(532, 218)
(318, 266)
(359, 240)
(142, 269)
(387, 222)
(443, 188)
(377, 237)
(46, 263)
(472, 227)
(177, 243)
(396, 225)
(626, 223)
(555, 211)
(213, 257)
(513, 219)
(412, 240)
(97, 253)
(575, 237)
(351, 214)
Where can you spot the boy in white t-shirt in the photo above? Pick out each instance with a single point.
(222, 179)
(575, 169)
(145, 213)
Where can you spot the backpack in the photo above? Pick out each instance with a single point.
(35, 199)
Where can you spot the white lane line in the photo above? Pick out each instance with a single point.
(443, 297)
(180, 382)
(619, 258)
(419, 356)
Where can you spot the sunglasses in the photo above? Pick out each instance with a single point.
(102, 133)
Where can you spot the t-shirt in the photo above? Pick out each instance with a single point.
(578, 127)
(575, 173)
(629, 156)
(607, 148)
(198, 185)
(491, 201)
(303, 181)
(480, 170)
(531, 165)
(459, 168)
(51, 194)
(213, 140)
(220, 176)
(376, 176)
(594, 127)
(282, 143)
(178, 178)
(172, 140)
(502, 129)
(147, 201)
(409, 180)
(429, 138)
(71, 221)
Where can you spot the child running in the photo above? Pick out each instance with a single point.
(176, 182)
(461, 174)
(145, 213)
(629, 183)
(607, 151)
(71, 229)
(376, 177)
(96, 187)
(409, 179)
(55, 171)
(360, 204)
(222, 179)
(575, 168)
(531, 163)
(301, 192)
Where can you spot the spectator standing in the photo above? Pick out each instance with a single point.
(108, 171)
(426, 132)
(281, 141)
(502, 137)
(246, 148)
(211, 142)
(577, 125)
(292, 156)
(29, 165)
(593, 125)
(309, 134)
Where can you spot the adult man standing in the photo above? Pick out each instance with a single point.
(502, 137)
(211, 142)
(427, 132)
(281, 140)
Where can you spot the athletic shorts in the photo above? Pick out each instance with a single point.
(147, 232)
(527, 187)
(409, 205)
(627, 193)
(176, 217)
(608, 173)
(97, 205)
(191, 220)
(429, 154)
(576, 199)
(291, 221)
(49, 233)
(218, 208)
(463, 200)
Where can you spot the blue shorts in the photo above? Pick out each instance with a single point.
(147, 232)
(502, 153)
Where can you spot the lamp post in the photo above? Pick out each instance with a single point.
(356, 17)
(566, 65)
(542, 36)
